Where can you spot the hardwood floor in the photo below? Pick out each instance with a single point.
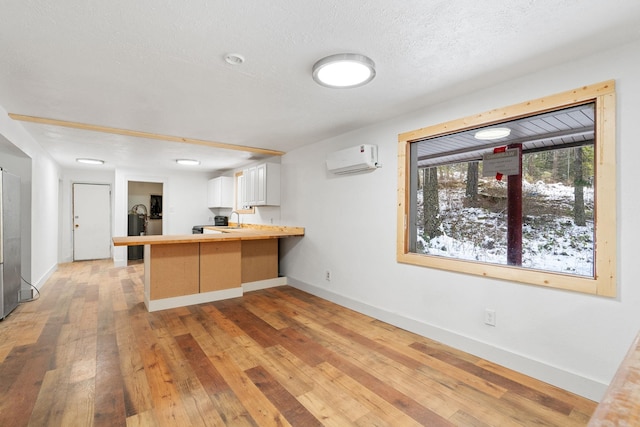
(88, 353)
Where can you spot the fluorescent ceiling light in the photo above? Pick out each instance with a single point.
(90, 161)
(188, 162)
(492, 133)
(344, 70)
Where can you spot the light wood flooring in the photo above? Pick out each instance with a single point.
(88, 353)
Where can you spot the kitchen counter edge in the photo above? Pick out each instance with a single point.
(246, 232)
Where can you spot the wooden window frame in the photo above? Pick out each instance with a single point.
(604, 281)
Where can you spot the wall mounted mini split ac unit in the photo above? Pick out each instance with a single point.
(360, 158)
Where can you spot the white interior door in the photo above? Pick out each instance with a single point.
(91, 221)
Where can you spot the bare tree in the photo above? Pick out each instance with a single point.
(578, 189)
(471, 192)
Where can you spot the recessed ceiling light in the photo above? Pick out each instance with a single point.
(344, 70)
(492, 133)
(55, 135)
(234, 59)
(90, 161)
(188, 162)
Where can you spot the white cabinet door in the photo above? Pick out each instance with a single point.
(249, 187)
(212, 193)
(262, 185)
(272, 184)
(220, 192)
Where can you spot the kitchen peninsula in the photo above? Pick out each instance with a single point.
(222, 263)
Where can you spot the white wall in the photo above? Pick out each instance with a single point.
(573, 340)
(42, 239)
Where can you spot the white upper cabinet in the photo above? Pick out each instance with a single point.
(262, 185)
(220, 192)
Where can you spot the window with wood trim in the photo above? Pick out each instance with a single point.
(535, 204)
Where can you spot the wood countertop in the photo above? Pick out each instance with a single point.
(245, 232)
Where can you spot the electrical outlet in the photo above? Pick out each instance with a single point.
(490, 317)
(327, 276)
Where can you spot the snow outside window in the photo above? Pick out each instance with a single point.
(535, 204)
(463, 215)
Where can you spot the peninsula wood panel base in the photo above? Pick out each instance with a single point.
(181, 274)
(220, 266)
(259, 260)
(173, 270)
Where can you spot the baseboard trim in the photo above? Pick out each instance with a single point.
(181, 301)
(39, 284)
(264, 284)
(120, 262)
(570, 381)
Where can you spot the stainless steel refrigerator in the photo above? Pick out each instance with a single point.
(10, 255)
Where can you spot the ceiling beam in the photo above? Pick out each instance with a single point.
(140, 134)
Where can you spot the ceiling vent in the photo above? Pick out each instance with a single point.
(360, 158)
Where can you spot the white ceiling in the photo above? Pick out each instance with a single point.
(158, 66)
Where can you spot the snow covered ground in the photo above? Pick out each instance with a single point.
(551, 241)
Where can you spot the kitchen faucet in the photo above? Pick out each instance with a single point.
(231, 216)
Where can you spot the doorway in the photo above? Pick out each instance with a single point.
(91, 221)
(145, 209)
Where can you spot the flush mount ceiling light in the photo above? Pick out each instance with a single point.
(344, 70)
(492, 133)
(90, 161)
(234, 59)
(188, 162)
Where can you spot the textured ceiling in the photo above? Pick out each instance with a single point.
(158, 66)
